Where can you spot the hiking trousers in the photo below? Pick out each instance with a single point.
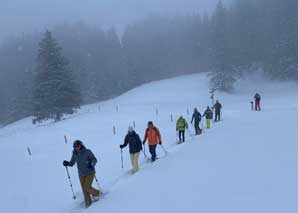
(134, 161)
(208, 123)
(86, 184)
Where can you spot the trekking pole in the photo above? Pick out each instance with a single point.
(121, 159)
(189, 132)
(99, 188)
(73, 195)
(144, 152)
(163, 148)
(145, 155)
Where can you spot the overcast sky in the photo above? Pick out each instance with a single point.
(17, 16)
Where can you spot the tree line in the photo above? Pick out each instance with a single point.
(91, 64)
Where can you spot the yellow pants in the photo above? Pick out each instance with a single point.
(86, 184)
(208, 123)
(134, 161)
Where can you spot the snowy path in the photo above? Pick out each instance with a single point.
(247, 163)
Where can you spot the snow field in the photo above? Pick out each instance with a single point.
(247, 163)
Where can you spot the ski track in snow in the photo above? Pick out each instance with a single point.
(246, 163)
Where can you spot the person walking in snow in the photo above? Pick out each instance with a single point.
(153, 135)
(196, 117)
(86, 162)
(181, 124)
(257, 102)
(135, 146)
(208, 114)
(217, 106)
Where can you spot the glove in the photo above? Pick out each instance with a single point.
(187, 127)
(160, 142)
(176, 129)
(144, 142)
(121, 146)
(65, 163)
(90, 165)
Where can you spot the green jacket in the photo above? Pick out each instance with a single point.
(181, 124)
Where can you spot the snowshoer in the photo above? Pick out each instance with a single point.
(181, 124)
(208, 114)
(86, 162)
(257, 102)
(196, 117)
(217, 106)
(153, 135)
(135, 146)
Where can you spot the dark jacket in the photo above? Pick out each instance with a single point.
(134, 141)
(85, 160)
(257, 97)
(217, 107)
(196, 117)
(208, 113)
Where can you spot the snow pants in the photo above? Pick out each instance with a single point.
(86, 184)
(197, 128)
(217, 116)
(208, 123)
(181, 136)
(134, 161)
(152, 150)
(257, 105)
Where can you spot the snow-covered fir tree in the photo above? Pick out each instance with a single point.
(55, 90)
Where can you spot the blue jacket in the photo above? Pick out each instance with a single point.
(85, 161)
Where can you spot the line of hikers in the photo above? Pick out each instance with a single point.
(86, 161)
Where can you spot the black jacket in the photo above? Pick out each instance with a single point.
(257, 97)
(197, 117)
(208, 113)
(134, 141)
(217, 107)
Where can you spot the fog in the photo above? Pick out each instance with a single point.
(18, 16)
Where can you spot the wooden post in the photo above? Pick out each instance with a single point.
(134, 124)
(171, 118)
(117, 108)
(99, 107)
(65, 139)
(29, 151)
(114, 130)
(156, 111)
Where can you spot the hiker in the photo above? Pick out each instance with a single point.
(208, 114)
(196, 117)
(181, 124)
(86, 162)
(257, 102)
(135, 146)
(217, 106)
(153, 135)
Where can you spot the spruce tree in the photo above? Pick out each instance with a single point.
(55, 91)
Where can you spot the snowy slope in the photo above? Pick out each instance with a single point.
(247, 163)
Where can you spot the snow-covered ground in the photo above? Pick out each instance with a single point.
(247, 163)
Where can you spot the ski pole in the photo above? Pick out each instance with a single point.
(73, 195)
(163, 148)
(144, 151)
(177, 139)
(145, 155)
(121, 158)
(99, 188)
(189, 132)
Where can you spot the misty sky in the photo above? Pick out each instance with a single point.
(17, 16)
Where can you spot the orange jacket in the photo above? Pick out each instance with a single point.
(153, 136)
